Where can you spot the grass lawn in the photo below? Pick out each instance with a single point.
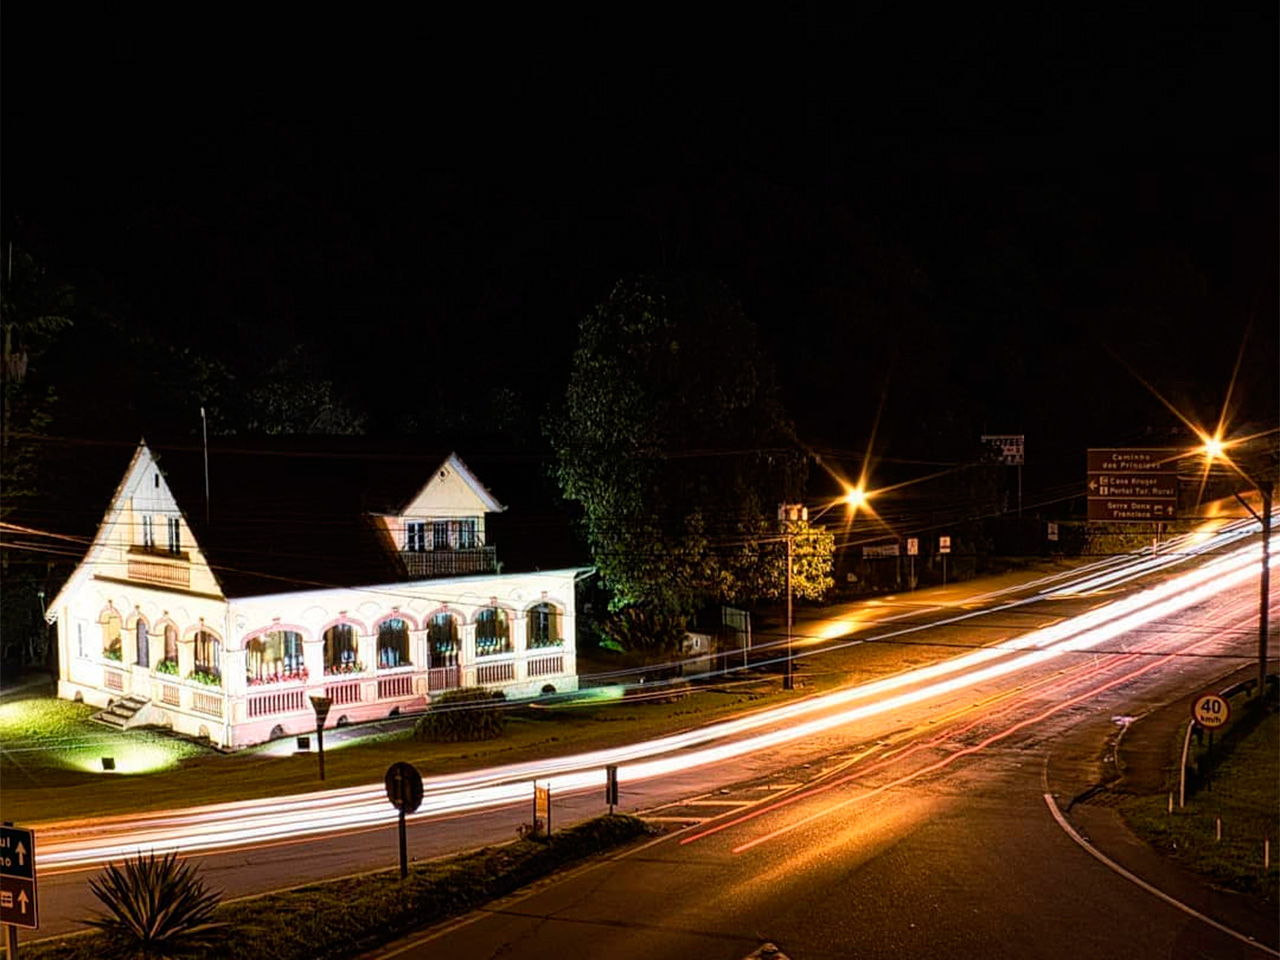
(50, 753)
(1245, 795)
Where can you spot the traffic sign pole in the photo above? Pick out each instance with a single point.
(19, 905)
(404, 790)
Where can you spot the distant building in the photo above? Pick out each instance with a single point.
(216, 600)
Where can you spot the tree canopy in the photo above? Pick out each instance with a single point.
(675, 445)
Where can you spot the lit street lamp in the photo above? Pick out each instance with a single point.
(1214, 449)
(854, 498)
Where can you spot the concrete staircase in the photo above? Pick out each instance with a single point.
(122, 713)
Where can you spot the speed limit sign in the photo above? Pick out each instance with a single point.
(1210, 710)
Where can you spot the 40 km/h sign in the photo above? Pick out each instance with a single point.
(1210, 710)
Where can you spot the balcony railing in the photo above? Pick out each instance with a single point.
(502, 672)
(277, 701)
(343, 693)
(399, 685)
(449, 563)
(210, 704)
(546, 665)
(169, 571)
(442, 678)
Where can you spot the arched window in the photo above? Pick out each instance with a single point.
(208, 654)
(340, 649)
(111, 627)
(544, 626)
(492, 634)
(442, 640)
(144, 647)
(276, 655)
(171, 645)
(393, 643)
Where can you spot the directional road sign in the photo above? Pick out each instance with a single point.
(18, 877)
(1132, 483)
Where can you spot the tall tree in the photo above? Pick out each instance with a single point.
(34, 308)
(673, 442)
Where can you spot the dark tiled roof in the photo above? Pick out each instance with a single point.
(289, 513)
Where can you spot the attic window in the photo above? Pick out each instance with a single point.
(156, 480)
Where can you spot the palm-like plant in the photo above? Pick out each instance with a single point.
(159, 908)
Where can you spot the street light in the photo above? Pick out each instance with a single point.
(789, 513)
(1214, 449)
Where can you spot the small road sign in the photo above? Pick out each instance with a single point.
(944, 544)
(1009, 447)
(1210, 710)
(18, 904)
(404, 786)
(404, 790)
(913, 546)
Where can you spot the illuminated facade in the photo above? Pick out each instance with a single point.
(223, 624)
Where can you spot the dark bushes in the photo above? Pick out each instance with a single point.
(462, 715)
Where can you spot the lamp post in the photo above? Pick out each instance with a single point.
(787, 514)
(1214, 449)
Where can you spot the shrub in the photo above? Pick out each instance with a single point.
(158, 908)
(471, 713)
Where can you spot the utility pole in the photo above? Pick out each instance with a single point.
(1266, 488)
(787, 514)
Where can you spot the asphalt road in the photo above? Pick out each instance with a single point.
(902, 819)
(939, 842)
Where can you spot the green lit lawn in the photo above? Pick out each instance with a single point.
(50, 754)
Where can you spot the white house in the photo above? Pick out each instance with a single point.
(225, 587)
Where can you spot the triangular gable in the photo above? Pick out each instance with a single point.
(142, 490)
(453, 490)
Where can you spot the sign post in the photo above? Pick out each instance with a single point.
(944, 547)
(404, 790)
(321, 706)
(542, 806)
(611, 785)
(913, 551)
(1210, 711)
(18, 902)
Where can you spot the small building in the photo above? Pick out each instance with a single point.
(226, 586)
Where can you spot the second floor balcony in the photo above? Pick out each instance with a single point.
(449, 563)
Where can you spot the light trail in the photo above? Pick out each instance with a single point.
(953, 757)
(1018, 698)
(76, 844)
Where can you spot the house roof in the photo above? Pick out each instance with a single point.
(288, 513)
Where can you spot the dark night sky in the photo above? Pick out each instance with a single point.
(973, 212)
